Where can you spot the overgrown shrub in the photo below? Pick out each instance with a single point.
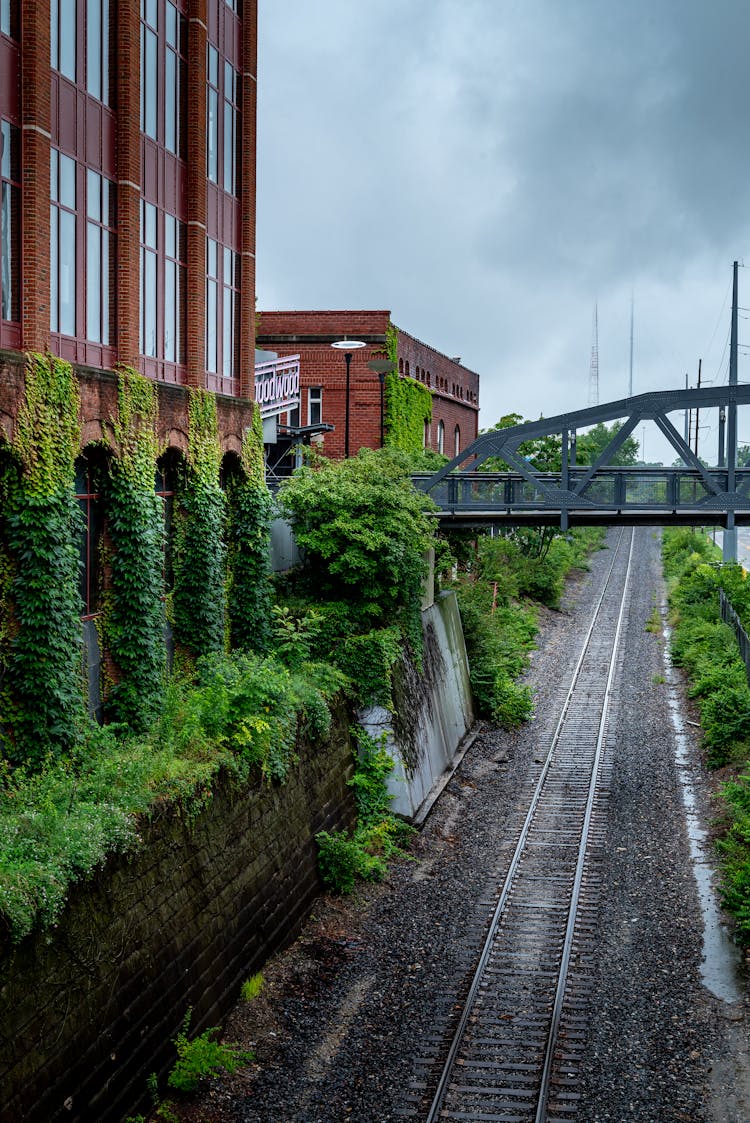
(378, 836)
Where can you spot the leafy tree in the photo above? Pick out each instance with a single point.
(590, 444)
(543, 453)
(364, 530)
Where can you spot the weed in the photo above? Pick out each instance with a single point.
(657, 679)
(654, 622)
(203, 1056)
(252, 987)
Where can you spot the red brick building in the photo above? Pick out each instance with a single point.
(454, 388)
(127, 145)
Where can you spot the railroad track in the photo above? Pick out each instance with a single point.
(519, 1038)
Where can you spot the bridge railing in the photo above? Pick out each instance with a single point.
(610, 488)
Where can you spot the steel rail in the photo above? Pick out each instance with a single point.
(458, 1035)
(541, 1113)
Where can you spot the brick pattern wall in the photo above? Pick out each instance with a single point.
(89, 1010)
(310, 335)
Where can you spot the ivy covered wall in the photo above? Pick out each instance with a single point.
(408, 404)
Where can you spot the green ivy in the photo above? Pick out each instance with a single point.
(250, 511)
(42, 698)
(133, 624)
(408, 404)
(199, 598)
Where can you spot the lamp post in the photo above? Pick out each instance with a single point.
(382, 367)
(348, 346)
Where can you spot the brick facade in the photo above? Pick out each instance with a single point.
(455, 389)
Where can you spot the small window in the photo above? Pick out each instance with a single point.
(62, 243)
(63, 37)
(315, 405)
(10, 222)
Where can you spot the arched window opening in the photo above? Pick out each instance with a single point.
(456, 441)
(426, 435)
(166, 483)
(89, 474)
(441, 437)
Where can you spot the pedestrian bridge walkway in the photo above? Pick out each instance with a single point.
(600, 493)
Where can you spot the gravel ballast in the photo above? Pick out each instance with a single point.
(343, 1024)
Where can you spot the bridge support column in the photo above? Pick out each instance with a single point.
(729, 540)
(564, 519)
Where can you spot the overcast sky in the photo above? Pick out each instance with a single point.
(489, 170)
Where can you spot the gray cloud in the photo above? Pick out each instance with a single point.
(489, 168)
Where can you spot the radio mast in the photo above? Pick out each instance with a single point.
(594, 368)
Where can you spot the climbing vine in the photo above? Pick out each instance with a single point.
(133, 617)
(248, 531)
(198, 603)
(408, 404)
(42, 699)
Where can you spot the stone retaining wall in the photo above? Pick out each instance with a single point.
(89, 1010)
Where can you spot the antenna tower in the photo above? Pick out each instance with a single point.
(594, 368)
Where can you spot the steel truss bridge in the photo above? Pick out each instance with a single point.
(600, 493)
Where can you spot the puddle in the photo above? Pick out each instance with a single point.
(722, 960)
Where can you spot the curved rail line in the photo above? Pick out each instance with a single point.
(515, 1049)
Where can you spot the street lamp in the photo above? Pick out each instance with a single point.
(348, 346)
(382, 367)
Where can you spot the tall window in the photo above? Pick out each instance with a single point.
(149, 66)
(62, 243)
(100, 220)
(175, 83)
(175, 256)
(231, 127)
(89, 498)
(441, 437)
(222, 122)
(212, 305)
(315, 405)
(456, 441)
(149, 258)
(97, 49)
(222, 307)
(63, 31)
(212, 115)
(10, 202)
(230, 312)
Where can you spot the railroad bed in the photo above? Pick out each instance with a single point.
(590, 1004)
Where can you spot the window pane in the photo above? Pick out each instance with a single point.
(170, 235)
(149, 211)
(149, 303)
(106, 306)
(170, 101)
(105, 51)
(152, 13)
(150, 92)
(94, 15)
(67, 250)
(7, 255)
(94, 195)
(227, 349)
(54, 265)
(211, 363)
(170, 342)
(5, 17)
(53, 174)
(212, 258)
(228, 147)
(213, 66)
(93, 283)
(212, 139)
(67, 181)
(67, 39)
(171, 25)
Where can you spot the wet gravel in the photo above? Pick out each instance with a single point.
(343, 1018)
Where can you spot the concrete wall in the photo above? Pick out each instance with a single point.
(433, 709)
(89, 1009)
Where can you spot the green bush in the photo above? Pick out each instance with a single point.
(378, 836)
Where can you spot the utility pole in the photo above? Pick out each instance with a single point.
(729, 550)
(630, 380)
(697, 411)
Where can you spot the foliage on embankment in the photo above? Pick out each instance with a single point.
(499, 589)
(707, 649)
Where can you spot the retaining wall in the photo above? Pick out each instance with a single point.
(89, 1010)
